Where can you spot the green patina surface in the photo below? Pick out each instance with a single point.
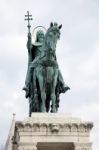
(44, 82)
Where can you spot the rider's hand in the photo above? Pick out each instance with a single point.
(29, 35)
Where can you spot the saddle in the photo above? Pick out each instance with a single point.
(49, 63)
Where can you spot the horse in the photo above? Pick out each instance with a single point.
(45, 74)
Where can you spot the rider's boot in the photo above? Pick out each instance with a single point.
(64, 88)
(26, 89)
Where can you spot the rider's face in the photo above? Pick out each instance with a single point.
(40, 37)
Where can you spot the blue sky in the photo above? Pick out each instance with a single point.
(77, 54)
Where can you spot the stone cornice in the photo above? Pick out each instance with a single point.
(54, 127)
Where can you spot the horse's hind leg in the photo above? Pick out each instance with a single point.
(47, 103)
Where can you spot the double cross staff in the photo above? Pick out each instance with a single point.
(28, 18)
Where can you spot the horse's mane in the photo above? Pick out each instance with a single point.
(50, 29)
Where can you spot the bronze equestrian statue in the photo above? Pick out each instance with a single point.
(44, 82)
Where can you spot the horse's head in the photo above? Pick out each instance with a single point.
(52, 35)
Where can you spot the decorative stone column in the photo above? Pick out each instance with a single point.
(9, 142)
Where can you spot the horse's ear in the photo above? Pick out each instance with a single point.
(60, 26)
(51, 24)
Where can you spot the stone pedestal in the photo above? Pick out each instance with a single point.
(45, 131)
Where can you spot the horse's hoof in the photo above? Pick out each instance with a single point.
(43, 109)
(53, 110)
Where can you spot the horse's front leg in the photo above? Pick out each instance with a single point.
(42, 91)
(53, 87)
(43, 97)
